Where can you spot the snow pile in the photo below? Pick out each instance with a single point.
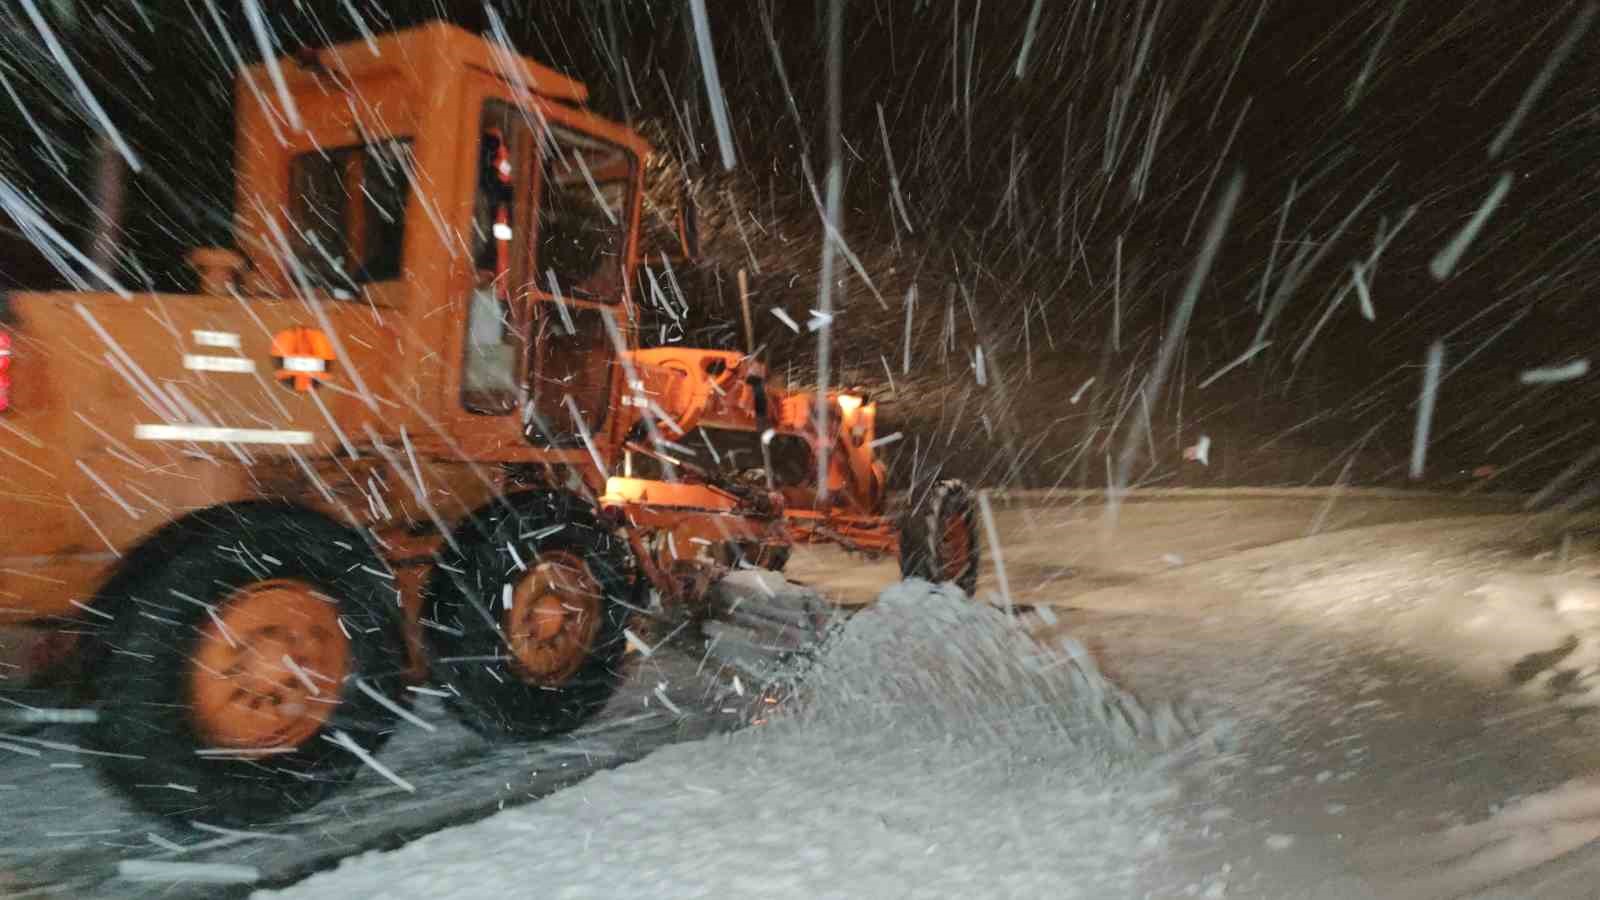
(1526, 834)
(1535, 632)
(1459, 592)
(928, 663)
(1539, 633)
(934, 751)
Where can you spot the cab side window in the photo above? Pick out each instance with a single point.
(347, 213)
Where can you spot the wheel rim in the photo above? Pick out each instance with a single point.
(955, 548)
(267, 671)
(553, 618)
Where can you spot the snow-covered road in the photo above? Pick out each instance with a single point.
(1353, 693)
(68, 836)
(1353, 685)
(1389, 683)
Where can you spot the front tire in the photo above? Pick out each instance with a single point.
(532, 610)
(939, 537)
(233, 673)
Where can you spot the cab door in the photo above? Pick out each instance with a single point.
(495, 316)
(581, 232)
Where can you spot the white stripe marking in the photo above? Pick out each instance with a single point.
(205, 434)
(225, 339)
(198, 363)
(304, 364)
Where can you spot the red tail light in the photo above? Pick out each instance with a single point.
(5, 369)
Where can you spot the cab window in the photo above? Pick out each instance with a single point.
(347, 212)
(583, 215)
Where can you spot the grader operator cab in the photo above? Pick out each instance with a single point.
(392, 439)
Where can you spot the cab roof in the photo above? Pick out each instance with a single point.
(441, 42)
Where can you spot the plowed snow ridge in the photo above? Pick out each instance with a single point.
(933, 750)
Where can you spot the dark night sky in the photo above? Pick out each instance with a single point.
(1370, 110)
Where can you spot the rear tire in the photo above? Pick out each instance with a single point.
(533, 608)
(939, 537)
(206, 719)
(778, 558)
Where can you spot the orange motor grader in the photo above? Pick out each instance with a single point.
(398, 435)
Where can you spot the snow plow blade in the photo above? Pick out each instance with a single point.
(764, 626)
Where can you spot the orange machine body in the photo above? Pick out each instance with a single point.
(371, 395)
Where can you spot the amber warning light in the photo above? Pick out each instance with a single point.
(5, 371)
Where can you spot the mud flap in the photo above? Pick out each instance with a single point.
(41, 681)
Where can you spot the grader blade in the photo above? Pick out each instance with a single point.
(764, 626)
